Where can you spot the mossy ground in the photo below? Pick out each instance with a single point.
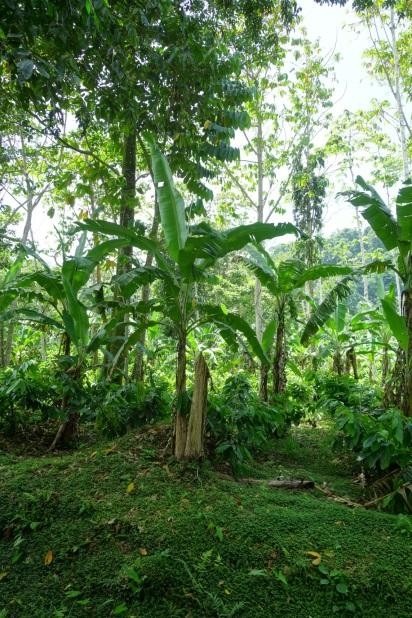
(132, 535)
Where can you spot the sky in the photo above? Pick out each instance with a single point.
(338, 29)
(354, 90)
(333, 26)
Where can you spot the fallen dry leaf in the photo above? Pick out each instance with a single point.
(48, 558)
(317, 558)
(130, 488)
(142, 551)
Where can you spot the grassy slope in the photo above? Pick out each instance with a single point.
(204, 546)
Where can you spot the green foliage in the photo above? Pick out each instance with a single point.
(117, 409)
(30, 396)
(333, 391)
(240, 425)
(381, 440)
(322, 313)
(77, 506)
(27, 396)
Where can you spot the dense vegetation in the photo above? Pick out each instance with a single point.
(205, 400)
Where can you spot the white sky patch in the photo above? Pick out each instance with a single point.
(339, 31)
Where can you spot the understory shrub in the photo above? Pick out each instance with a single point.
(381, 439)
(116, 409)
(333, 391)
(28, 395)
(240, 424)
(383, 443)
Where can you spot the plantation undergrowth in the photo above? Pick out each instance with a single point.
(118, 529)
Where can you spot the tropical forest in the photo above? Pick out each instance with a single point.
(205, 308)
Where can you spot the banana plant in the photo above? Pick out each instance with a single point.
(337, 338)
(396, 235)
(60, 291)
(284, 281)
(189, 253)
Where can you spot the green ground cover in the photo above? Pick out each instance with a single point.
(116, 529)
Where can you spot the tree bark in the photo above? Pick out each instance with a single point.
(407, 310)
(181, 418)
(395, 385)
(9, 344)
(338, 363)
(263, 391)
(398, 97)
(385, 366)
(124, 254)
(194, 448)
(351, 363)
(274, 484)
(2, 346)
(69, 428)
(362, 252)
(263, 387)
(279, 360)
(138, 369)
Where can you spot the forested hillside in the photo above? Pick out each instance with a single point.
(205, 308)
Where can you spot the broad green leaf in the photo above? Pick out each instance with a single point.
(376, 213)
(15, 268)
(209, 245)
(73, 277)
(7, 297)
(171, 205)
(31, 315)
(130, 281)
(322, 271)
(230, 324)
(50, 282)
(104, 248)
(289, 272)
(340, 317)
(77, 271)
(294, 367)
(102, 335)
(322, 313)
(404, 213)
(257, 263)
(240, 236)
(107, 228)
(397, 323)
(376, 267)
(268, 336)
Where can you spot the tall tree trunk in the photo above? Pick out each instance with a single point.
(407, 308)
(125, 254)
(398, 389)
(385, 366)
(352, 363)
(398, 96)
(138, 369)
(69, 428)
(194, 448)
(2, 346)
(9, 344)
(279, 360)
(338, 362)
(263, 386)
(395, 386)
(263, 391)
(181, 417)
(362, 252)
